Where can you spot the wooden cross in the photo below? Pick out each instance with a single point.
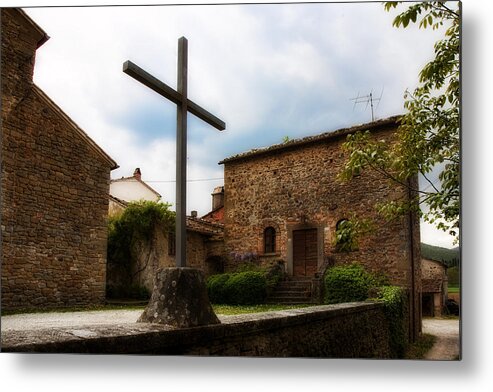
(184, 105)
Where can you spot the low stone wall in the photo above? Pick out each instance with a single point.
(352, 330)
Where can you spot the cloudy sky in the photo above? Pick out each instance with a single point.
(268, 71)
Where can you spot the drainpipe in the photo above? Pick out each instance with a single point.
(412, 301)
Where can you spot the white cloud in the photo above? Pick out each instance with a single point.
(267, 70)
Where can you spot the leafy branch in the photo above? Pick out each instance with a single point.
(428, 136)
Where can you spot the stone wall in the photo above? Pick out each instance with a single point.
(54, 188)
(150, 255)
(434, 287)
(295, 187)
(353, 330)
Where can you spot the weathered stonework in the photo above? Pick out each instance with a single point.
(205, 250)
(54, 187)
(434, 287)
(350, 330)
(293, 188)
(179, 298)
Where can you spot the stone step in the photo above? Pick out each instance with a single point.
(290, 291)
(290, 295)
(299, 278)
(288, 301)
(294, 287)
(294, 284)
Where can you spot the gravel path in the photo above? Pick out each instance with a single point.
(36, 321)
(446, 346)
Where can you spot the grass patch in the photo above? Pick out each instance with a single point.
(229, 310)
(418, 349)
(454, 289)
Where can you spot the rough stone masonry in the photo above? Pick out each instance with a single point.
(54, 189)
(292, 190)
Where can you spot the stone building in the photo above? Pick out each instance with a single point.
(54, 187)
(127, 189)
(216, 214)
(284, 203)
(434, 287)
(205, 250)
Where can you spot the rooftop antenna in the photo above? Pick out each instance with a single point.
(368, 99)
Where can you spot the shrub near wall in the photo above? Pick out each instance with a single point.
(347, 283)
(215, 288)
(241, 288)
(350, 283)
(126, 231)
(395, 308)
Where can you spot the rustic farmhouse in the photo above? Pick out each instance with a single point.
(205, 246)
(216, 214)
(127, 189)
(54, 187)
(434, 287)
(284, 203)
(205, 250)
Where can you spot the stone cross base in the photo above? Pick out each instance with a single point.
(179, 299)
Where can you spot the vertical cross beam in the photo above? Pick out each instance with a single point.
(181, 155)
(184, 105)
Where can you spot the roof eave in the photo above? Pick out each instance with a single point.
(312, 139)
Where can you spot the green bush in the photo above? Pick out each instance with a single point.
(241, 288)
(347, 283)
(395, 308)
(135, 223)
(215, 288)
(246, 288)
(274, 273)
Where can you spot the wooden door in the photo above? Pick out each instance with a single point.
(305, 252)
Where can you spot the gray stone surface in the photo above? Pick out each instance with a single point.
(447, 346)
(351, 330)
(179, 299)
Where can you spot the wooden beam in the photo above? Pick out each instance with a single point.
(164, 90)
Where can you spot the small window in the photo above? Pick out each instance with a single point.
(341, 224)
(345, 240)
(269, 240)
(171, 244)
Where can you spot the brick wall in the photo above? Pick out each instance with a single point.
(54, 191)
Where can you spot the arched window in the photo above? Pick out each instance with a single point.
(345, 240)
(269, 240)
(340, 225)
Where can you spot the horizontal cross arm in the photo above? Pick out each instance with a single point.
(164, 90)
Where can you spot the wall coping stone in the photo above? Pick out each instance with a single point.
(148, 338)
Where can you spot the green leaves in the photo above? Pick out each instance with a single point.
(348, 232)
(135, 223)
(347, 283)
(428, 136)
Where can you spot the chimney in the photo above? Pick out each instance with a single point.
(218, 197)
(194, 214)
(137, 173)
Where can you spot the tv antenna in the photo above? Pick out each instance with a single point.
(369, 99)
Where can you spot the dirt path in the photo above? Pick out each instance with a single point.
(446, 346)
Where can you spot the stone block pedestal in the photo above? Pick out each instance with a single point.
(179, 299)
